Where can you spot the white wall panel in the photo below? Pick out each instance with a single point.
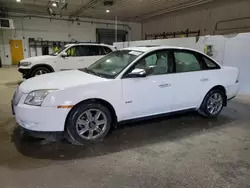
(181, 42)
(228, 51)
(56, 30)
(218, 43)
(203, 18)
(237, 53)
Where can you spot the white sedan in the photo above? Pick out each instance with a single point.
(127, 84)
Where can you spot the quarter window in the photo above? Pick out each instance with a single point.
(210, 64)
(186, 62)
(107, 50)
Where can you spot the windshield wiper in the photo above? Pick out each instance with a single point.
(92, 72)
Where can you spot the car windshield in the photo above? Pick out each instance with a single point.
(59, 50)
(113, 64)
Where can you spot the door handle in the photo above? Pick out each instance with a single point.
(204, 80)
(164, 85)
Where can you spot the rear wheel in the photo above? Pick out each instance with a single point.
(88, 122)
(39, 71)
(213, 103)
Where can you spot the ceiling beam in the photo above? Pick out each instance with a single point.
(171, 9)
(88, 5)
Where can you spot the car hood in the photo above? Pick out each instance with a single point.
(38, 58)
(59, 80)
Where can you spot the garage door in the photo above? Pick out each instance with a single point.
(107, 36)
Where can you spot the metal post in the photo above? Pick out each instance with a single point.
(115, 28)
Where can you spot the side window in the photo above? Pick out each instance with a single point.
(102, 51)
(156, 63)
(71, 52)
(77, 51)
(107, 50)
(209, 63)
(94, 50)
(151, 60)
(186, 62)
(83, 51)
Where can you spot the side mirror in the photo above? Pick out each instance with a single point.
(137, 73)
(64, 55)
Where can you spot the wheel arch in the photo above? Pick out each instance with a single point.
(97, 100)
(223, 89)
(43, 65)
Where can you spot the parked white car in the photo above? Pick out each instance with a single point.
(71, 56)
(127, 84)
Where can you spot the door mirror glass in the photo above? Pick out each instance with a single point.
(137, 73)
(64, 54)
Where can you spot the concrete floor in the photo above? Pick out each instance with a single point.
(179, 151)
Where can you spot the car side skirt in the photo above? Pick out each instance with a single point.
(158, 116)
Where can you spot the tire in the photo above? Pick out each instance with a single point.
(210, 102)
(88, 122)
(39, 71)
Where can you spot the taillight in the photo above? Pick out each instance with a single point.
(237, 80)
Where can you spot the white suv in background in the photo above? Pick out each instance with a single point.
(71, 56)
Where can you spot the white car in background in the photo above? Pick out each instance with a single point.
(127, 84)
(71, 56)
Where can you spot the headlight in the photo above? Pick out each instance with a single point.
(25, 64)
(36, 98)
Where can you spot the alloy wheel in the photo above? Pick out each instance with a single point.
(40, 72)
(91, 124)
(215, 103)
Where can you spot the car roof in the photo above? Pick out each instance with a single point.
(153, 48)
(89, 44)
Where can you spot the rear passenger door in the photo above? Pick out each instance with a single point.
(191, 80)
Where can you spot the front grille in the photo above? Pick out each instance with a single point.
(17, 96)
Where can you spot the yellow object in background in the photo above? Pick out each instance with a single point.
(71, 51)
(209, 49)
(56, 49)
(16, 50)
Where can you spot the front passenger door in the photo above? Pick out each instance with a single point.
(150, 95)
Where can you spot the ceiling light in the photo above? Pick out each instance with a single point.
(18, 1)
(108, 11)
(54, 4)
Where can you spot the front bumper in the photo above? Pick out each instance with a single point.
(45, 135)
(25, 72)
(41, 119)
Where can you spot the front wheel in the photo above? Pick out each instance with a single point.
(88, 122)
(213, 103)
(39, 71)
